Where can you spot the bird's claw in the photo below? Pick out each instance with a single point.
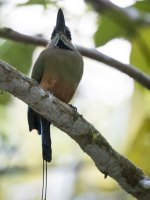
(73, 107)
(75, 116)
(105, 175)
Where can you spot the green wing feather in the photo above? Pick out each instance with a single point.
(38, 69)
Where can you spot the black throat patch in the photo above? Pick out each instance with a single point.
(62, 45)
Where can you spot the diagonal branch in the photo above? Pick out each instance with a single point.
(107, 160)
(130, 70)
(130, 19)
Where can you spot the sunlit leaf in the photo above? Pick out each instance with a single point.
(18, 55)
(143, 5)
(35, 2)
(140, 149)
(108, 29)
(111, 26)
(4, 97)
(140, 54)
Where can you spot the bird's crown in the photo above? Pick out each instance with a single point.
(60, 26)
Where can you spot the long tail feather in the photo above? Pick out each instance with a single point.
(39, 123)
(46, 140)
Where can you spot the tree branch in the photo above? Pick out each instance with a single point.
(131, 71)
(127, 18)
(9, 33)
(130, 16)
(107, 160)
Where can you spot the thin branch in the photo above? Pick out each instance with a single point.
(107, 160)
(133, 72)
(130, 16)
(127, 18)
(9, 33)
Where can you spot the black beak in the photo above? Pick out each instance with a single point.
(60, 23)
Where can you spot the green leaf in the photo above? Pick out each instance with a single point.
(143, 5)
(4, 97)
(18, 55)
(140, 149)
(107, 30)
(111, 26)
(140, 53)
(35, 2)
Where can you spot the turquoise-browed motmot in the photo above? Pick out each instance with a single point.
(58, 69)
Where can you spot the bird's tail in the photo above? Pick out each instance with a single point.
(42, 125)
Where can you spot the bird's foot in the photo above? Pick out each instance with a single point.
(75, 114)
(73, 107)
(105, 175)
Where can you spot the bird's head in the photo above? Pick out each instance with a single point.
(61, 35)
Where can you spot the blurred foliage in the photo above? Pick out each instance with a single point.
(35, 2)
(18, 55)
(140, 53)
(142, 5)
(108, 28)
(1, 2)
(138, 35)
(44, 3)
(4, 97)
(140, 149)
(7, 146)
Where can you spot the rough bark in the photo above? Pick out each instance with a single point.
(107, 160)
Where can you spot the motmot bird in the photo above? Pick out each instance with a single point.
(58, 69)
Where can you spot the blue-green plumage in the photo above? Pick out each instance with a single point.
(58, 69)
